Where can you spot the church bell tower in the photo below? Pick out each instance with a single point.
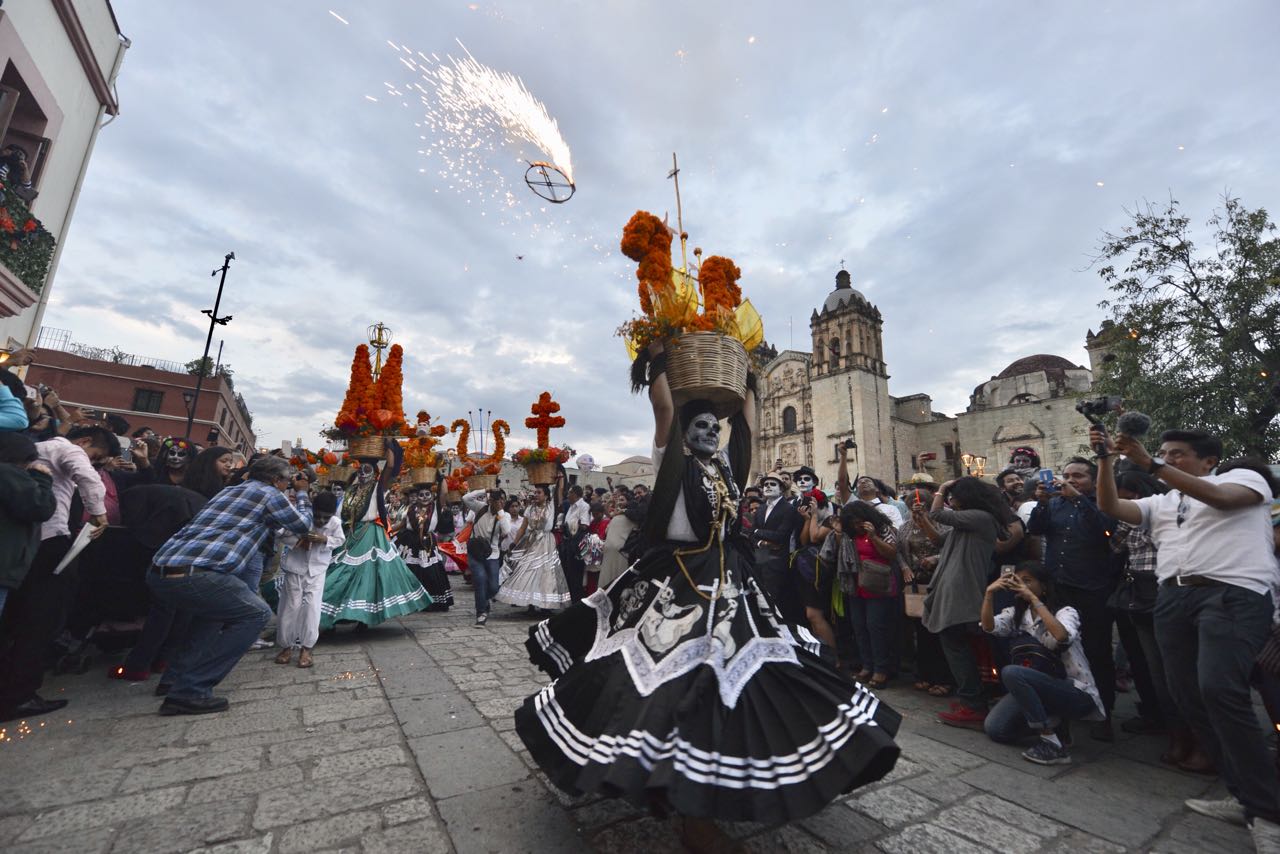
(850, 385)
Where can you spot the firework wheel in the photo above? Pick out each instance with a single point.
(548, 182)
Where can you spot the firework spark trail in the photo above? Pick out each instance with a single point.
(466, 88)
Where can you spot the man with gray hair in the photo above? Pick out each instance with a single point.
(195, 572)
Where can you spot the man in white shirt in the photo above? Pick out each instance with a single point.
(488, 527)
(1214, 609)
(36, 610)
(577, 519)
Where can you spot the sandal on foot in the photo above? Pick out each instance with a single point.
(285, 656)
(922, 686)
(941, 691)
(862, 675)
(304, 658)
(877, 681)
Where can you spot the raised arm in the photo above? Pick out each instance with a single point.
(1220, 496)
(664, 408)
(844, 489)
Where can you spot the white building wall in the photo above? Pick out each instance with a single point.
(44, 38)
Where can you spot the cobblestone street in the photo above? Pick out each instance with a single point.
(400, 739)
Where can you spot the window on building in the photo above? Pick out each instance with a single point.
(222, 418)
(789, 420)
(146, 400)
(835, 353)
(22, 123)
(948, 451)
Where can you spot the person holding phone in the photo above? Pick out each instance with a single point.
(1049, 681)
(1077, 553)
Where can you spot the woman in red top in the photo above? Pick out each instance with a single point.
(874, 615)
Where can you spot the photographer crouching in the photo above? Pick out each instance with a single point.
(1214, 606)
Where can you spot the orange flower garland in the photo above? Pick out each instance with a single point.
(359, 402)
(389, 390)
(542, 419)
(465, 426)
(420, 450)
(666, 313)
(646, 240)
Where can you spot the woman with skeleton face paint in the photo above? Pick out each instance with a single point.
(367, 581)
(696, 662)
(416, 540)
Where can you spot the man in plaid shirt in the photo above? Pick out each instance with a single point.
(194, 572)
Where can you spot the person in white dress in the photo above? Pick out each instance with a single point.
(532, 573)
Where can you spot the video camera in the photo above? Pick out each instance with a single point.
(1094, 407)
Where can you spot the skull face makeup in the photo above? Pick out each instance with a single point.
(702, 436)
(771, 489)
(366, 473)
(805, 482)
(175, 453)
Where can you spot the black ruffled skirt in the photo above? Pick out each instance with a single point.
(714, 705)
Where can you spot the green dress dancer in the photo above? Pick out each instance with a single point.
(367, 581)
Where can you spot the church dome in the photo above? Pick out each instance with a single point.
(1036, 364)
(843, 294)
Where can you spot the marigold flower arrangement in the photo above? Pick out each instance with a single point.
(543, 420)
(372, 408)
(669, 304)
(492, 464)
(525, 456)
(419, 451)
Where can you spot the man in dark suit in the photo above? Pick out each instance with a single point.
(776, 522)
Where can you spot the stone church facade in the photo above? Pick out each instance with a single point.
(811, 402)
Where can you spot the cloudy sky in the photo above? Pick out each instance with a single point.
(961, 158)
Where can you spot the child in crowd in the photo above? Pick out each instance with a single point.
(593, 546)
(302, 574)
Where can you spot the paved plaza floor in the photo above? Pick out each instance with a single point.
(400, 739)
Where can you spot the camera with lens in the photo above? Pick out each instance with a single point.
(1093, 407)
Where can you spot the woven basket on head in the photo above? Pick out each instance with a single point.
(421, 475)
(453, 496)
(366, 447)
(541, 474)
(483, 481)
(710, 366)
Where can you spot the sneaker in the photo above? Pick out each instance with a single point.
(193, 705)
(1228, 809)
(963, 717)
(1046, 753)
(481, 619)
(1266, 836)
(261, 644)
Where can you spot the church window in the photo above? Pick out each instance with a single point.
(789, 420)
(835, 353)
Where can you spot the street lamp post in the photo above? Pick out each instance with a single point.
(214, 320)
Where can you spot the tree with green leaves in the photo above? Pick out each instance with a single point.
(1195, 335)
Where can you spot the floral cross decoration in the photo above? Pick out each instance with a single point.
(543, 420)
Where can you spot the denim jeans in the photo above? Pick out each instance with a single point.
(484, 577)
(251, 572)
(1209, 638)
(964, 666)
(226, 618)
(1034, 699)
(4, 594)
(874, 623)
(163, 630)
(1096, 620)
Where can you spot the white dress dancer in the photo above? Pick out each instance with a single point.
(532, 574)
